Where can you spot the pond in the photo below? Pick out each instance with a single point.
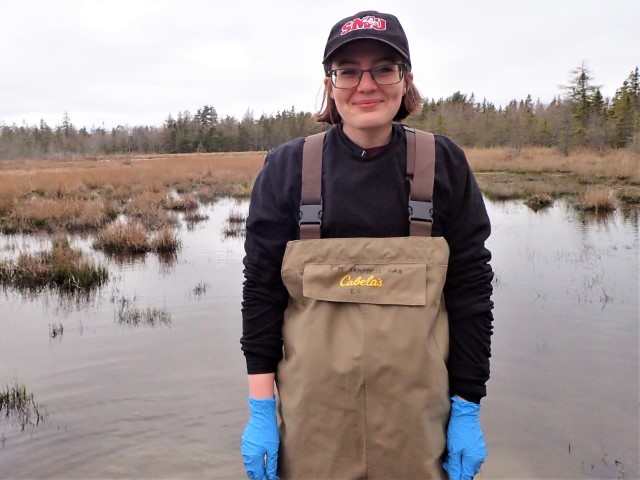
(168, 399)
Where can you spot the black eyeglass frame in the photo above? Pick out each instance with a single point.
(402, 66)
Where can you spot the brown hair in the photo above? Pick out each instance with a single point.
(411, 101)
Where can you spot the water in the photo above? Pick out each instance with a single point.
(169, 401)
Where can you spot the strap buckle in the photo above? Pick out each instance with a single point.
(420, 211)
(310, 214)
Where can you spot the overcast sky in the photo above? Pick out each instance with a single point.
(134, 62)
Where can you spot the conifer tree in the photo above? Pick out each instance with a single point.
(625, 113)
(580, 93)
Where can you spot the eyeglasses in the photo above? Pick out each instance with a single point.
(383, 75)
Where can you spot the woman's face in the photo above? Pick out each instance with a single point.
(368, 107)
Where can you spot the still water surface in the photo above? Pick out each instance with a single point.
(169, 401)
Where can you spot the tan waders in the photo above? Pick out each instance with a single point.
(363, 384)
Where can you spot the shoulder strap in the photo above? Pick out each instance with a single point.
(421, 161)
(311, 196)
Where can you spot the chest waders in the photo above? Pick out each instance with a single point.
(363, 385)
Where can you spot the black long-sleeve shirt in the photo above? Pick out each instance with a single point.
(367, 196)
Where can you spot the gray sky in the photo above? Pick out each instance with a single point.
(134, 62)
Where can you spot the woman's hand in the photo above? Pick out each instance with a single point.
(260, 440)
(466, 449)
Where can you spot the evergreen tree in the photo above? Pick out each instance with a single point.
(580, 93)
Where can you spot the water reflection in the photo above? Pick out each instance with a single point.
(138, 400)
(192, 219)
(235, 225)
(56, 302)
(563, 395)
(631, 215)
(603, 218)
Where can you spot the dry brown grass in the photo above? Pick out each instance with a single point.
(545, 172)
(61, 267)
(180, 204)
(611, 164)
(87, 193)
(30, 189)
(166, 241)
(597, 199)
(148, 209)
(51, 214)
(121, 237)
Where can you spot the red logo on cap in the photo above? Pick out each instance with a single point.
(368, 22)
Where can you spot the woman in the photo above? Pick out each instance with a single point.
(375, 377)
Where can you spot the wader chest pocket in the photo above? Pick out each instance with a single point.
(381, 284)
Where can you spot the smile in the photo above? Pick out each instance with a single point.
(367, 103)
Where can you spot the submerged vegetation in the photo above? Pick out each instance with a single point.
(61, 267)
(148, 316)
(235, 226)
(128, 314)
(200, 289)
(16, 404)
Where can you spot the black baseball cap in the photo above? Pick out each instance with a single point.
(369, 25)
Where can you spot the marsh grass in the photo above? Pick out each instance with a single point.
(62, 267)
(42, 194)
(19, 405)
(629, 195)
(597, 200)
(209, 193)
(132, 238)
(129, 314)
(52, 214)
(621, 165)
(147, 209)
(124, 238)
(150, 316)
(536, 171)
(180, 204)
(166, 241)
(236, 217)
(233, 230)
(235, 225)
(193, 217)
(200, 289)
(538, 201)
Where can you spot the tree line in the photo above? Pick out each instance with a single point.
(580, 117)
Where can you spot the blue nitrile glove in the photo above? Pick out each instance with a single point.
(260, 439)
(466, 449)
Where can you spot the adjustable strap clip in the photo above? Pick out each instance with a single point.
(310, 214)
(420, 211)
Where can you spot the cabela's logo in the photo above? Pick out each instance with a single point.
(368, 22)
(370, 281)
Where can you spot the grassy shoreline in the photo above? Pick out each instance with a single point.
(89, 194)
(589, 179)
